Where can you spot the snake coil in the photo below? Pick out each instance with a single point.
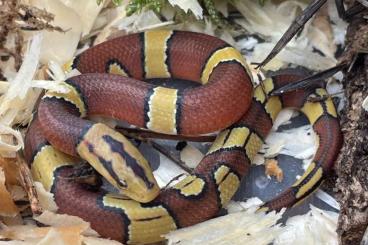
(111, 85)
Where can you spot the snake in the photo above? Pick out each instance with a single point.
(118, 80)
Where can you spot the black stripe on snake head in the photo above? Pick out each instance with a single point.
(118, 147)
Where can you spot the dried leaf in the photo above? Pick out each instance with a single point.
(12, 221)
(10, 169)
(64, 220)
(62, 236)
(7, 206)
(69, 235)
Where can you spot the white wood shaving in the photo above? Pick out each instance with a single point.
(365, 103)
(187, 5)
(191, 156)
(15, 100)
(300, 142)
(45, 198)
(324, 196)
(232, 229)
(167, 171)
(87, 10)
(315, 227)
(60, 46)
(250, 205)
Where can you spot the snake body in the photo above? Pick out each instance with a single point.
(59, 133)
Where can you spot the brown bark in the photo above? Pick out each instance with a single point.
(352, 164)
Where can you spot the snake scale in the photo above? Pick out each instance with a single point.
(112, 84)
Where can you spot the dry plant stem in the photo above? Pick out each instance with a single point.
(170, 155)
(28, 185)
(310, 80)
(347, 14)
(324, 97)
(156, 146)
(293, 29)
(142, 135)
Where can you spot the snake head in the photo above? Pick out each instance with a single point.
(115, 158)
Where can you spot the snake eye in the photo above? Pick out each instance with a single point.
(122, 183)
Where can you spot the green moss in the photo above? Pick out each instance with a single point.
(116, 2)
(212, 12)
(135, 6)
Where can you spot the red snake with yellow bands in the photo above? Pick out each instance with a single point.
(220, 104)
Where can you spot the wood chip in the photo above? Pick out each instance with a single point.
(273, 169)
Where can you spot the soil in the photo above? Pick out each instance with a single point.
(352, 164)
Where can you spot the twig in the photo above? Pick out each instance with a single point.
(295, 26)
(346, 14)
(170, 155)
(308, 81)
(28, 185)
(137, 135)
(142, 135)
(363, 2)
(323, 97)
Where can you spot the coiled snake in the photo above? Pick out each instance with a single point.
(111, 85)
